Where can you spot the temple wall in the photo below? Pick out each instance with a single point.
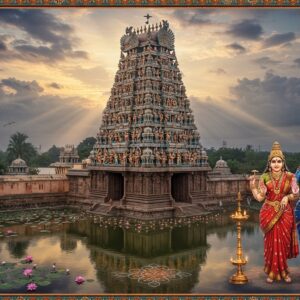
(228, 186)
(27, 185)
(147, 183)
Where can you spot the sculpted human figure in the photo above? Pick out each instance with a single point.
(277, 188)
(163, 157)
(178, 158)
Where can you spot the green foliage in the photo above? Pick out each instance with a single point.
(34, 171)
(85, 147)
(18, 147)
(47, 158)
(243, 161)
(3, 162)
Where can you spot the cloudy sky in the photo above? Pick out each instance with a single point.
(241, 69)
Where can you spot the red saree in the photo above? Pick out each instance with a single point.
(280, 241)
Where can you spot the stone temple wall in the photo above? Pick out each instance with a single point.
(32, 191)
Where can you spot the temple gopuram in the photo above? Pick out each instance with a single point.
(148, 160)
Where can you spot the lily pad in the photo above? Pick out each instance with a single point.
(5, 286)
(90, 280)
(43, 283)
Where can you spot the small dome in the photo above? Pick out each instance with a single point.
(222, 167)
(147, 130)
(19, 162)
(221, 163)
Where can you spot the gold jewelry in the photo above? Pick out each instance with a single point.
(276, 186)
(275, 204)
(276, 175)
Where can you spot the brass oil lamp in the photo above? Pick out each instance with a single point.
(239, 217)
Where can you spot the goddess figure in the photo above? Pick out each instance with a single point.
(278, 188)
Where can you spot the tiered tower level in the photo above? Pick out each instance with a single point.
(148, 121)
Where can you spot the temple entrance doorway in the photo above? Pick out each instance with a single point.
(115, 186)
(180, 187)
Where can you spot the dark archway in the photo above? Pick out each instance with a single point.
(180, 187)
(115, 186)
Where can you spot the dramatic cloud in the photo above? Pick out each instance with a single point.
(274, 99)
(227, 120)
(265, 62)
(45, 119)
(246, 29)
(192, 17)
(297, 62)
(2, 46)
(22, 88)
(49, 39)
(55, 85)
(218, 71)
(279, 39)
(237, 48)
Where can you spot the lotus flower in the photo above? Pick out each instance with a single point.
(31, 286)
(79, 279)
(3, 262)
(27, 272)
(28, 259)
(9, 232)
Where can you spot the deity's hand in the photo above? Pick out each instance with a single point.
(284, 202)
(252, 181)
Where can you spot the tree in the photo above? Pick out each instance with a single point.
(47, 158)
(3, 162)
(85, 147)
(18, 147)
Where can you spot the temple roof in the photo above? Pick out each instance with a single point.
(19, 162)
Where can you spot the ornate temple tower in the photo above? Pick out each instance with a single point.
(148, 154)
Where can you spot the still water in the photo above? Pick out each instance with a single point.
(118, 256)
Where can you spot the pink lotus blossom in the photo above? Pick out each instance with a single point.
(27, 272)
(28, 259)
(79, 279)
(9, 231)
(31, 286)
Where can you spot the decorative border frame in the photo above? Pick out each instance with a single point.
(149, 297)
(153, 4)
(149, 3)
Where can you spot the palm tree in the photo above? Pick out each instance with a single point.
(18, 147)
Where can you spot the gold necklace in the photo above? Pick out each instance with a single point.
(276, 187)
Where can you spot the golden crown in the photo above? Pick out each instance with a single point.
(276, 151)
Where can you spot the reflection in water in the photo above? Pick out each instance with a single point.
(17, 248)
(67, 243)
(115, 250)
(201, 251)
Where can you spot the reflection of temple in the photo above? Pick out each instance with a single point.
(143, 244)
(148, 157)
(120, 250)
(67, 242)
